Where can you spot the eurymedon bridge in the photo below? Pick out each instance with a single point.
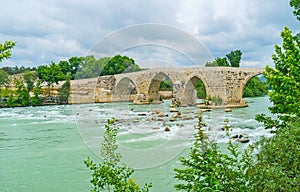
(226, 83)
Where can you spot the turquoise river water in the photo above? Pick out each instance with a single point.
(43, 148)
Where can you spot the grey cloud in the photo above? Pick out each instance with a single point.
(53, 30)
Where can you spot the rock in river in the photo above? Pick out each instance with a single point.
(173, 110)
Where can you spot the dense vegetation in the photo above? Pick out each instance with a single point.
(111, 174)
(255, 88)
(166, 85)
(73, 68)
(232, 59)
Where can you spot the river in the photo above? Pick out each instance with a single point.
(43, 148)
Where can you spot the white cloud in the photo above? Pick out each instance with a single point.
(53, 30)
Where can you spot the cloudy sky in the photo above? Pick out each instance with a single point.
(166, 32)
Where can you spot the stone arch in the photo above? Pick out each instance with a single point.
(154, 85)
(125, 90)
(247, 79)
(189, 96)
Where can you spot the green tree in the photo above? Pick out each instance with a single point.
(4, 78)
(255, 88)
(29, 79)
(20, 97)
(234, 58)
(285, 78)
(166, 85)
(71, 66)
(91, 67)
(276, 167)
(37, 90)
(211, 64)
(5, 49)
(64, 91)
(208, 169)
(200, 88)
(111, 175)
(50, 74)
(120, 64)
(200, 168)
(222, 62)
(296, 5)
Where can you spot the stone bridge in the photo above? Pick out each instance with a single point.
(226, 83)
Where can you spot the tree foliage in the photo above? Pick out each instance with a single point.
(111, 175)
(208, 169)
(234, 58)
(5, 49)
(64, 91)
(71, 66)
(213, 63)
(200, 89)
(120, 64)
(16, 70)
(29, 78)
(50, 74)
(222, 62)
(166, 85)
(285, 78)
(255, 88)
(277, 167)
(296, 5)
(19, 97)
(4, 78)
(91, 67)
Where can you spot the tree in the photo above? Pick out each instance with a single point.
(296, 5)
(5, 50)
(208, 169)
(276, 167)
(234, 58)
(91, 67)
(50, 74)
(211, 64)
(120, 64)
(70, 66)
(111, 175)
(20, 97)
(222, 62)
(4, 78)
(200, 88)
(29, 79)
(37, 90)
(64, 91)
(255, 88)
(285, 78)
(166, 85)
(200, 168)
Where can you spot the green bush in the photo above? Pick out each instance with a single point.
(111, 175)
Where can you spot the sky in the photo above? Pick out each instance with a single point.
(156, 33)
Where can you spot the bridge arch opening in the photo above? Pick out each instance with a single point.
(255, 87)
(195, 88)
(125, 90)
(160, 87)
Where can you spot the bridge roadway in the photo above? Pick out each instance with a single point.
(225, 83)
